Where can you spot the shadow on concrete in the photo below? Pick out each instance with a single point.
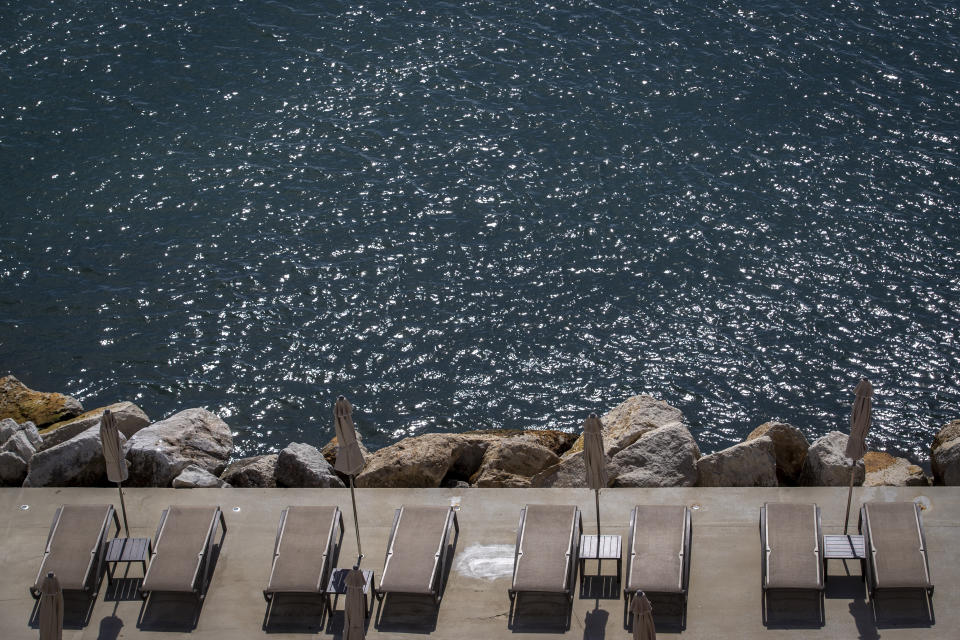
(595, 624)
(900, 608)
(123, 590)
(669, 613)
(540, 613)
(599, 588)
(802, 609)
(295, 613)
(179, 612)
(77, 609)
(110, 628)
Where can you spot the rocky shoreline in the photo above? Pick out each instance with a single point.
(48, 439)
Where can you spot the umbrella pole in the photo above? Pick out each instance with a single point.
(846, 518)
(356, 527)
(123, 507)
(596, 495)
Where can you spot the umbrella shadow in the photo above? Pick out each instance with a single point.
(595, 623)
(110, 628)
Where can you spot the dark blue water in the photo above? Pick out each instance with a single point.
(484, 214)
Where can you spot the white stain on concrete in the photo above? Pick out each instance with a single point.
(485, 561)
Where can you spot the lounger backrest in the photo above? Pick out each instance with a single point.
(414, 552)
(179, 549)
(75, 540)
(657, 555)
(793, 552)
(302, 548)
(545, 548)
(896, 545)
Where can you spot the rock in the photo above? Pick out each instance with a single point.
(253, 472)
(13, 469)
(559, 442)
(624, 424)
(302, 465)
(19, 444)
(790, 449)
(456, 484)
(664, 457)
(8, 427)
(748, 464)
(78, 462)
(945, 455)
(129, 417)
(570, 473)
(511, 463)
(827, 466)
(193, 477)
(884, 470)
(158, 453)
(24, 404)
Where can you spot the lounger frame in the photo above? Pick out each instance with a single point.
(628, 593)
(95, 565)
(870, 569)
(570, 572)
(332, 546)
(765, 549)
(439, 558)
(201, 573)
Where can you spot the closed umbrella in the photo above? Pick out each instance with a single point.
(642, 612)
(857, 442)
(595, 461)
(50, 616)
(349, 457)
(113, 456)
(355, 610)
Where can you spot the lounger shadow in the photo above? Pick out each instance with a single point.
(791, 551)
(546, 555)
(305, 550)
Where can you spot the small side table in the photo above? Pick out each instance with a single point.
(337, 586)
(127, 550)
(606, 548)
(843, 547)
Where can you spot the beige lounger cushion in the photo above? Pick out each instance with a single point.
(896, 546)
(74, 544)
(543, 561)
(794, 560)
(178, 549)
(413, 555)
(658, 547)
(302, 553)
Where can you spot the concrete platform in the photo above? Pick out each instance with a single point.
(725, 594)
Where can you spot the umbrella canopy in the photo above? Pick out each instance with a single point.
(642, 613)
(355, 611)
(349, 457)
(860, 421)
(112, 450)
(50, 616)
(593, 457)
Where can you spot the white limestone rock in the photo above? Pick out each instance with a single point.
(129, 418)
(827, 465)
(945, 455)
(664, 457)
(748, 464)
(13, 469)
(252, 472)
(302, 465)
(78, 462)
(194, 477)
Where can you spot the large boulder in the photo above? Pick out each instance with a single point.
(945, 455)
(129, 418)
(302, 465)
(78, 462)
(511, 463)
(193, 477)
(252, 472)
(624, 424)
(13, 469)
(664, 457)
(790, 448)
(158, 453)
(748, 464)
(884, 470)
(8, 427)
(19, 443)
(827, 465)
(569, 473)
(24, 404)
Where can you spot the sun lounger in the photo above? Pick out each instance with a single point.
(545, 558)
(896, 547)
(417, 551)
(791, 550)
(182, 551)
(304, 551)
(658, 548)
(75, 547)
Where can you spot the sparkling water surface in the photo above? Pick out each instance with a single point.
(484, 214)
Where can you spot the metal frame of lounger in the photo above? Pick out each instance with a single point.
(570, 571)
(95, 563)
(765, 550)
(332, 547)
(870, 577)
(439, 558)
(203, 558)
(685, 565)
